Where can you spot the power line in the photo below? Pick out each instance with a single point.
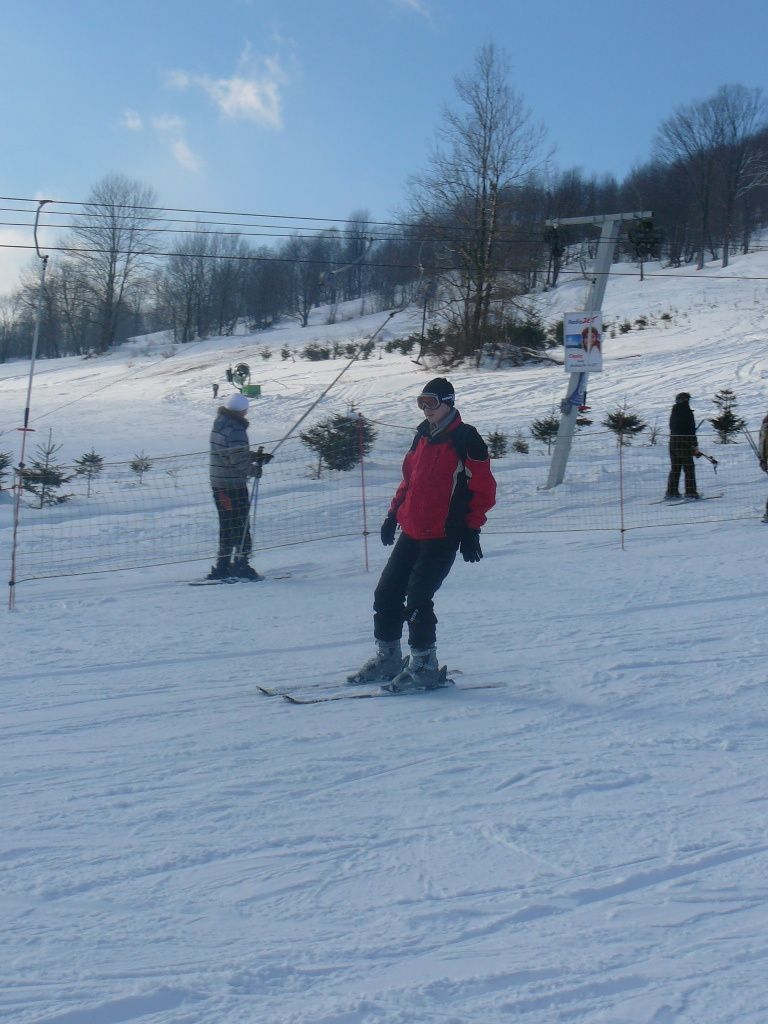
(212, 213)
(436, 268)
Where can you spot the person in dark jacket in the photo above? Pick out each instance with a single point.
(683, 448)
(231, 465)
(762, 453)
(440, 507)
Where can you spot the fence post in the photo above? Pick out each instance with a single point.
(361, 448)
(621, 477)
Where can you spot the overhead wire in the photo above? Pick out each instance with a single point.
(376, 264)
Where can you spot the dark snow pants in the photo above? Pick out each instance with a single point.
(233, 505)
(681, 459)
(412, 576)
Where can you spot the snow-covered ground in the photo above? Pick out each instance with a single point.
(584, 843)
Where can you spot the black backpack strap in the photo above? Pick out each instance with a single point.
(458, 439)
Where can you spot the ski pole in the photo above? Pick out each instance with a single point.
(710, 458)
(754, 448)
(254, 503)
(260, 458)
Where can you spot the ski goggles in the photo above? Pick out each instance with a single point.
(430, 402)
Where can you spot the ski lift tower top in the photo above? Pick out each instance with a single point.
(610, 226)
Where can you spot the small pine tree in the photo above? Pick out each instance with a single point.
(336, 441)
(519, 444)
(5, 461)
(89, 466)
(45, 476)
(315, 352)
(546, 429)
(141, 464)
(625, 425)
(726, 423)
(497, 444)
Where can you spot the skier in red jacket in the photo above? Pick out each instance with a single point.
(440, 506)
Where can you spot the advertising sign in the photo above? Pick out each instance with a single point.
(583, 333)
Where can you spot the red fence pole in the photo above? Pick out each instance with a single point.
(360, 439)
(621, 478)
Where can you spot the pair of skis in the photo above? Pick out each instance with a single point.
(237, 579)
(327, 693)
(687, 501)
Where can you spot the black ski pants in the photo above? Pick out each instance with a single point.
(681, 459)
(411, 578)
(233, 505)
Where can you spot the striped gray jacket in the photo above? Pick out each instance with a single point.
(230, 460)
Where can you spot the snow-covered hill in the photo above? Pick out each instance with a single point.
(585, 842)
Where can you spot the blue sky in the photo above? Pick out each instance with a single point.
(318, 108)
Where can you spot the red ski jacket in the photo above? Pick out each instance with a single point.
(447, 483)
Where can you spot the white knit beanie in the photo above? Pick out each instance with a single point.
(237, 402)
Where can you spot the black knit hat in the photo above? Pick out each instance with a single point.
(683, 398)
(440, 388)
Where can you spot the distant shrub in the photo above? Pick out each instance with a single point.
(5, 461)
(402, 345)
(315, 352)
(546, 429)
(141, 464)
(497, 444)
(519, 444)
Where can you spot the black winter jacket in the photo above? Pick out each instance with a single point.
(230, 460)
(682, 427)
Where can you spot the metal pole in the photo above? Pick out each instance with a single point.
(361, 449)
(606, 246)
(25, 428)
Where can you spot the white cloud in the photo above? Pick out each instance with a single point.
(132, 121)
(414, 5)
(251, 94)
(170, 129)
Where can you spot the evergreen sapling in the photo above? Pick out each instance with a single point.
(90, 466)
(45, 475)
(726, 423)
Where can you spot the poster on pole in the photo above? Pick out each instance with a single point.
(583, 333)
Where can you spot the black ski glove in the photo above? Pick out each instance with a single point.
(260, 458)
(388, 529)
(470, 545)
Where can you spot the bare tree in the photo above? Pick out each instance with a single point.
(110, 243)
(741, 117)
(357, 242)
(310, 258)
(688, 140)
(8, 325)
(185, 286)
(487, 148)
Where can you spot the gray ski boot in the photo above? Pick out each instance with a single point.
(420, 673)
(383, 666)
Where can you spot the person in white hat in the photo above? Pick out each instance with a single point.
(231, 464)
